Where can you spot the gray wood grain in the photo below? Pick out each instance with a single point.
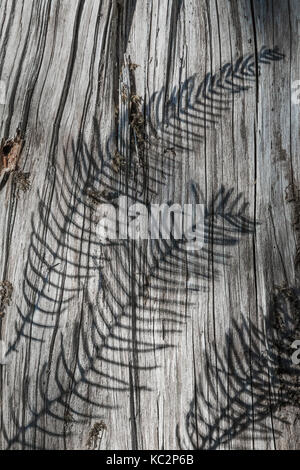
(147, 345)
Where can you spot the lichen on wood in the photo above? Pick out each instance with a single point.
(6, 291)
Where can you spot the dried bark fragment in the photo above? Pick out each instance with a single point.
(22, 181)
(68, 421)
(6, 290)
(95, 434)
(118, 162)
(10, 151)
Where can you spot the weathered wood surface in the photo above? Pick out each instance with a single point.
(158, 347)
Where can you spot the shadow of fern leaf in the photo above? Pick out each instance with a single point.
(251, 385)
(200, 106)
